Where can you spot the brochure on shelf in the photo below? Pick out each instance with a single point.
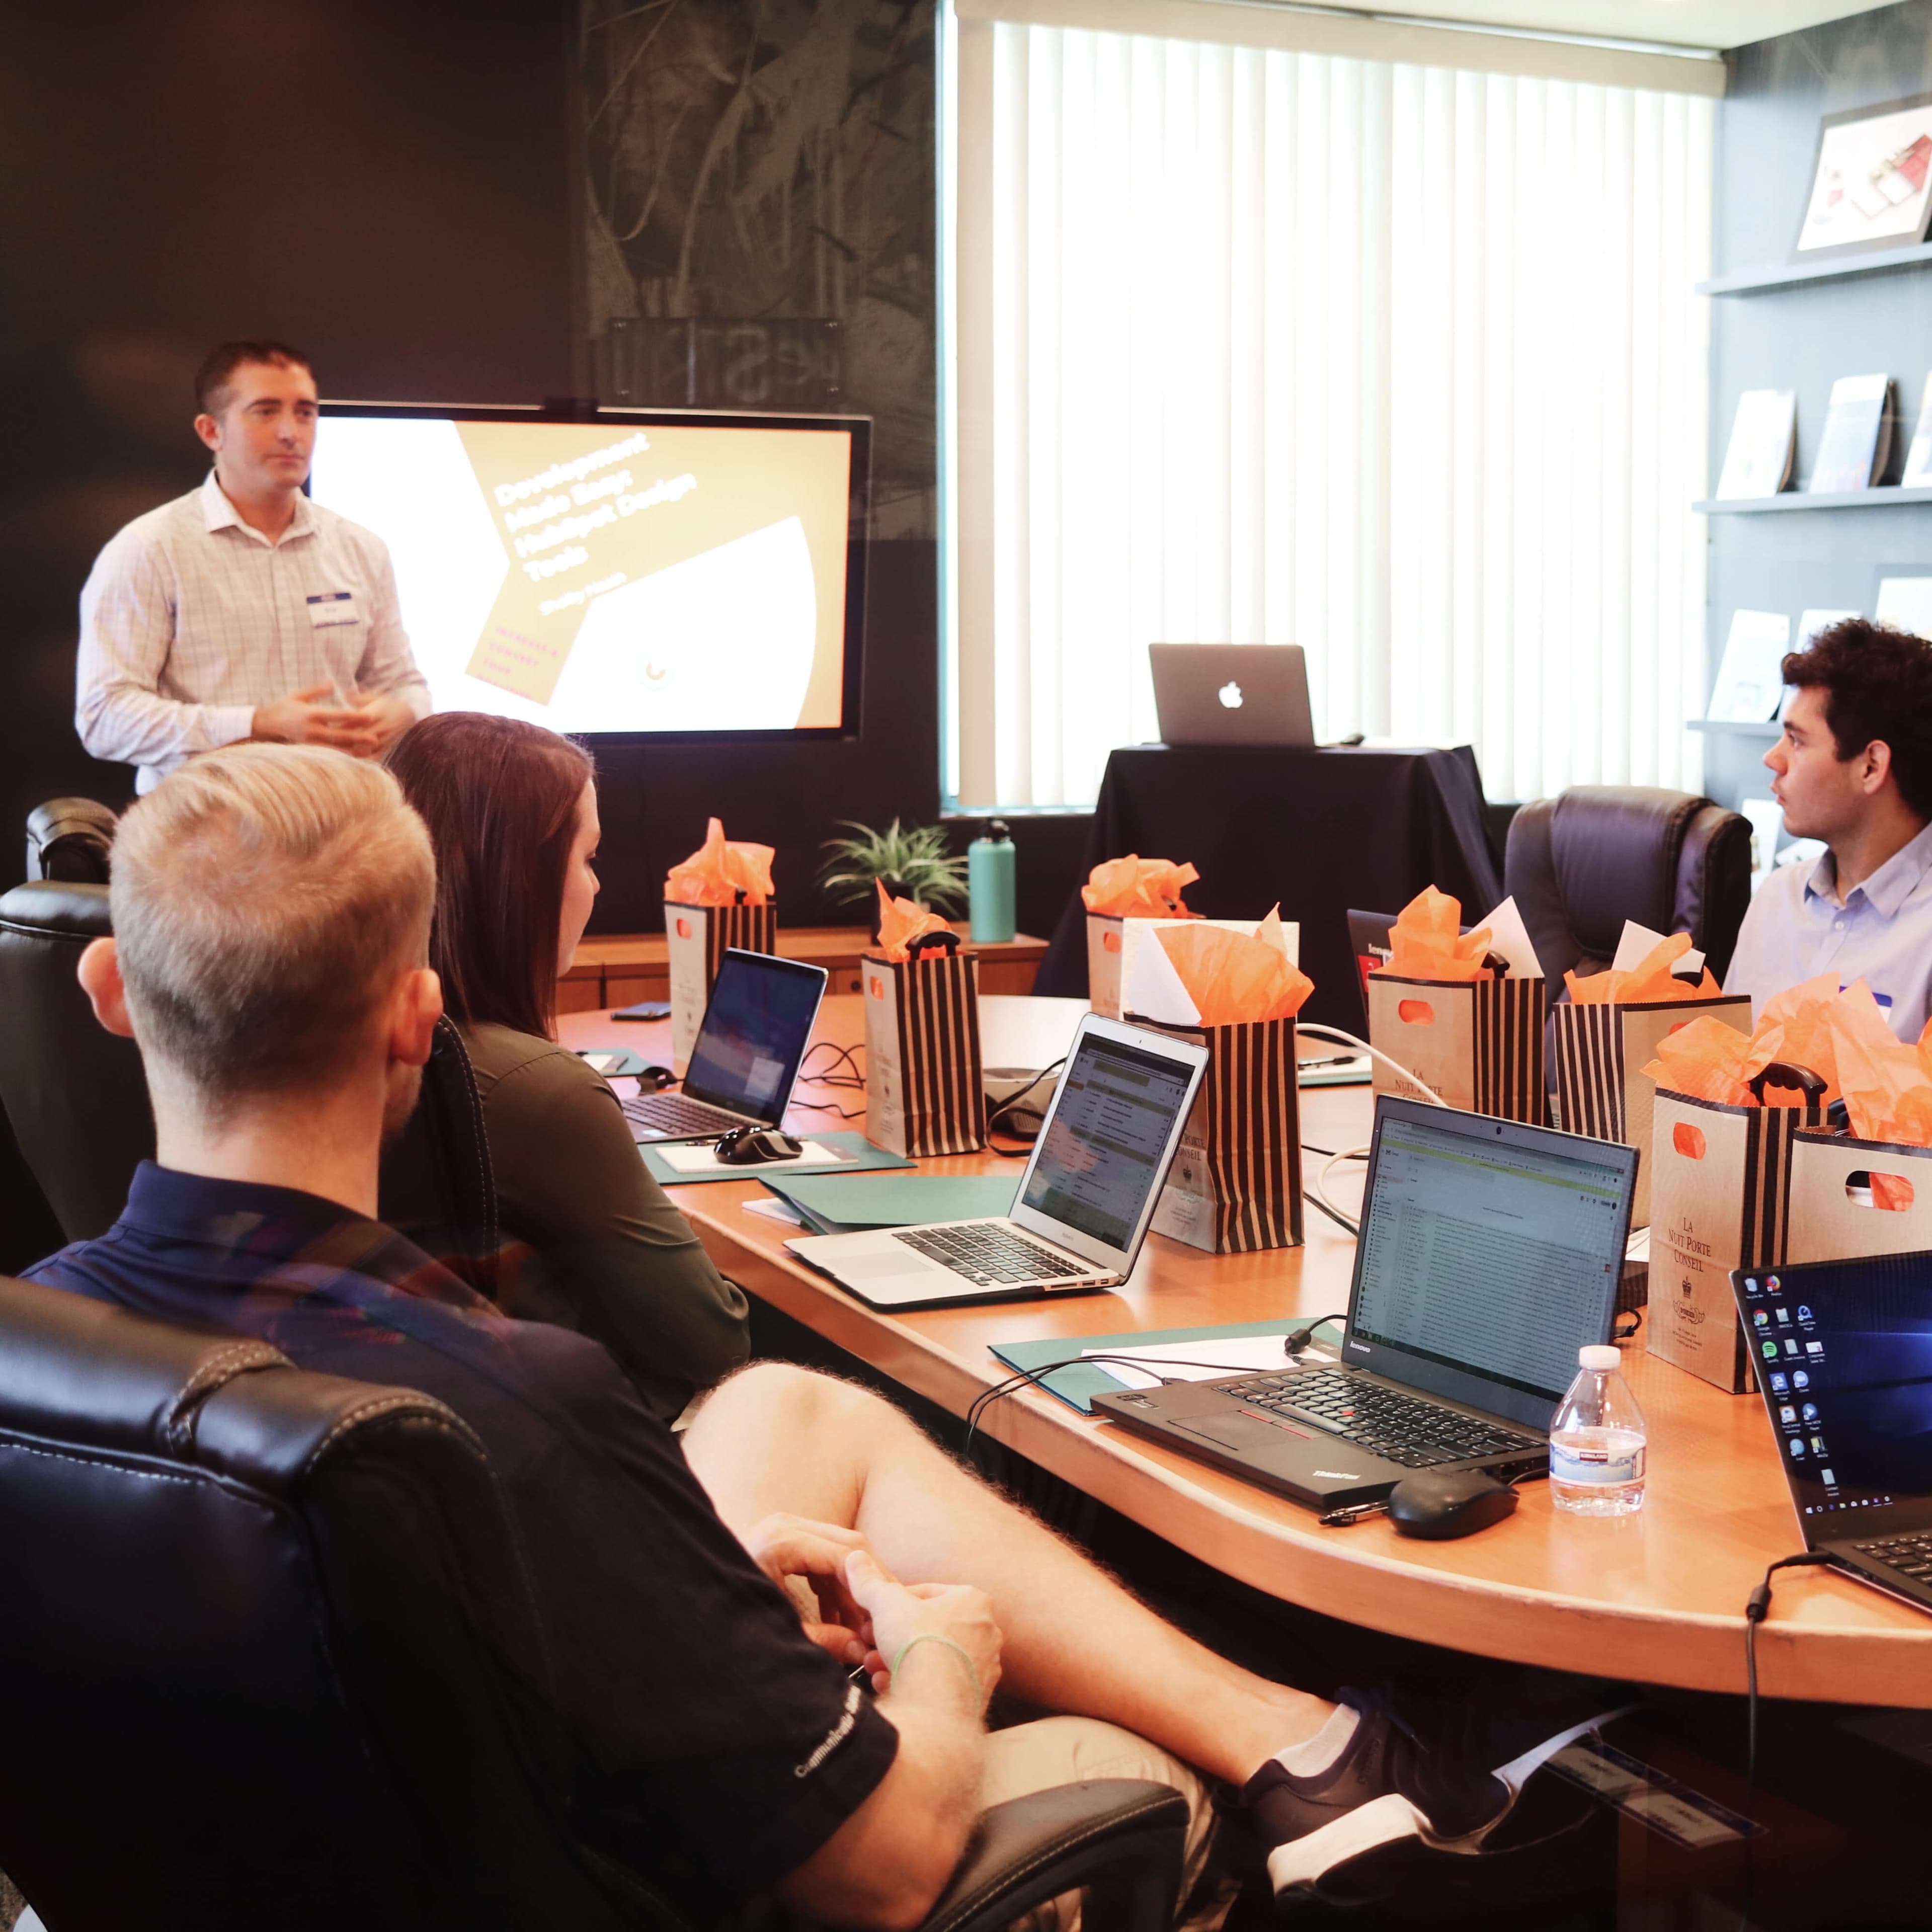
(1763, 446)
(1856, 445)
(1919, 458)
(1750, 679)
(1905, 603)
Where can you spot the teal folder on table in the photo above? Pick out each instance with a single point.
(838, 1203)
(1079, 1382)
(861, 1156)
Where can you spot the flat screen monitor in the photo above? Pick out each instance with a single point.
(638, 574)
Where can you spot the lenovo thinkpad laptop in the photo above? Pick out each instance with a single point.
(1843, 1351)
(1089, 1190)
(1490, 1254)
(745, 1062)
(1231, 694)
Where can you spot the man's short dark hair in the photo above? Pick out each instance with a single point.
(215, 379)
(1877, 683)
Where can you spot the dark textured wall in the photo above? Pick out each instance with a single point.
(1806, 336)
(405, 187)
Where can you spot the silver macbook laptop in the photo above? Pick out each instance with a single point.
(1231, 694)
(1085, 1200)
(745, 1062)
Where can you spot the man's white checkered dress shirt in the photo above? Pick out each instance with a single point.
(190, 619)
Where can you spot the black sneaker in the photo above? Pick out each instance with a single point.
(1387, 1799)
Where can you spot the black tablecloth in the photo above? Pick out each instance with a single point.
(1317, 831)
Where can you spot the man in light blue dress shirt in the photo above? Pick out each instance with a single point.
(1854, 768)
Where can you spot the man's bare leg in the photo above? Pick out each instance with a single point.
(775, 1438)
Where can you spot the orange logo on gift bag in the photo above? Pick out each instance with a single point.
(1415, 1013)
(684, 928)
(1111, 941)
(1687, 1140)
(876, 988)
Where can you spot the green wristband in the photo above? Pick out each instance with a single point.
(952, 1644)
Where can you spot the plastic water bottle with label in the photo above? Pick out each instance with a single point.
(1597, 1442)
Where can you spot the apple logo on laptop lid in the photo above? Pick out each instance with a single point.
(1230, 695)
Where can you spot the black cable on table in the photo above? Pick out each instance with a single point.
(1755, 1611)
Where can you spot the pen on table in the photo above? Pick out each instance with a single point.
(1346, 1519)
(1332, 1060)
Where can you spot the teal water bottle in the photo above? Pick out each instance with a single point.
(989, 884)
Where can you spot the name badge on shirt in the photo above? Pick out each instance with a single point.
(330, 608)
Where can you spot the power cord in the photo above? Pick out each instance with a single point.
(852, 1081)
(1315, 1191)
(1755, 1611)
(1293, 1343)
(1361, 1045)
(1013, 1103)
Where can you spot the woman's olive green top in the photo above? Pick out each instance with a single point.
(591, 1242)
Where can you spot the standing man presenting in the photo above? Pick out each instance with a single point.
(243, 609)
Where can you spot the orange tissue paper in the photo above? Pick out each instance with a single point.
(1795, 1027)
(1887, 1084)
(1137, 888)
(1647, 983)
(1708, 1061)
(1425, 942)
(721, 871)
(1234, 980)
(901, 922)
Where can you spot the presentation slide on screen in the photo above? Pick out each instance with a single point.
(600, 577)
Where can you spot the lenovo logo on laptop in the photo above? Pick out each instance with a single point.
(1360, 1347)
(1341, 1475)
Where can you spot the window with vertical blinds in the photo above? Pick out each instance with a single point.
(1398, 363)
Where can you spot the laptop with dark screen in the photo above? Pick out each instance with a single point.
(1843, 1354)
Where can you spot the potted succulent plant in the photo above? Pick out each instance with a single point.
(911, 861)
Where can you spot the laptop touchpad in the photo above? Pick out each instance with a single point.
(887, 1268)
(1234, 1432)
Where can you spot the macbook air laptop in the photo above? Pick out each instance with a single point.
(1088, 1192)
(1843, 1352)
(1231, 694)
(745, 1062)
(1490, 1254)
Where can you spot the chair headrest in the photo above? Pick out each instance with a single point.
(57, 909)
(84, 1373)
(1614, 849)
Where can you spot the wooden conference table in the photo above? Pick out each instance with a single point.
(1658, 1597)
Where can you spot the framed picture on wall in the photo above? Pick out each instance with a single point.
(1871, 185)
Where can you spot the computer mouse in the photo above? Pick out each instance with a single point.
(1457, 1502)
(746, 1147)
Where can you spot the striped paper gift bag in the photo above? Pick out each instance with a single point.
(1235, 1185)
(1721, 1198)
(1478, 1042)
(697, 937)
(1601, 1089)
(925, 1092)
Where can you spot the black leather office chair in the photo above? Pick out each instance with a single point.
(1581, 864)
(69, 839)
(267, 1659)
(78, 1100)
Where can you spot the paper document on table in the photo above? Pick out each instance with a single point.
(1199, 1361)
(701, 1157)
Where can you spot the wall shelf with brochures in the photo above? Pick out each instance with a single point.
(1886, 496)
(1838, 269)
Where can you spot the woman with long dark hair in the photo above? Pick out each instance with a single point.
(595, 1246)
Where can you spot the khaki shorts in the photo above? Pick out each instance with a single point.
(1065, 1751)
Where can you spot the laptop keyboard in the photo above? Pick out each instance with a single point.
(990, 1256)
(673, 1114)
(1910, 1554)
(1410, 1430)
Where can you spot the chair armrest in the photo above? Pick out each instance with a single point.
(1124, 1839)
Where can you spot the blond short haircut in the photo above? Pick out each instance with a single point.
(265, 899)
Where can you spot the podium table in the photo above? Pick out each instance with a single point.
(1317, 831)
